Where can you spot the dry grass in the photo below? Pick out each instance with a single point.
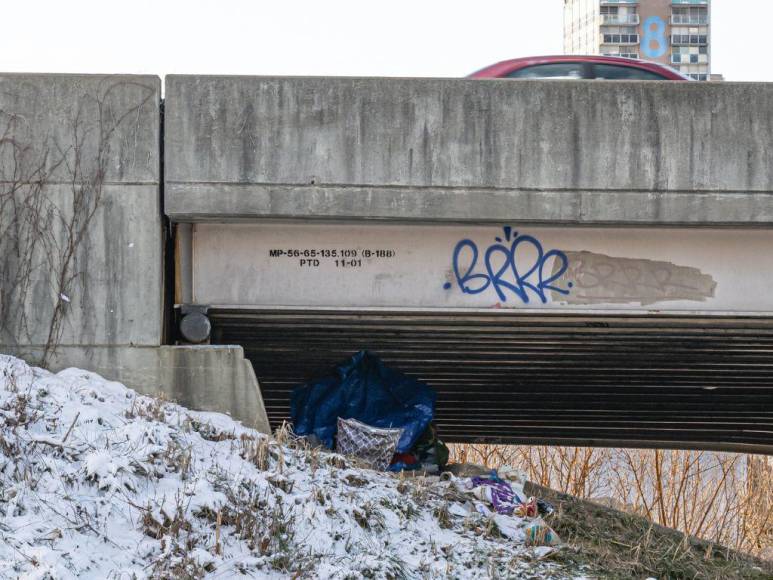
(443, 515)
(615, 544)
(255, 450)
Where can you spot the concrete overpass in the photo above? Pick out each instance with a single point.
(565, 262)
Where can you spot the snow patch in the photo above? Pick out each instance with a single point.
(99, 482)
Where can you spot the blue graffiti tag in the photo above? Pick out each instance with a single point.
(505, 270)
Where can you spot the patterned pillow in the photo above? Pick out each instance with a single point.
(371, 444)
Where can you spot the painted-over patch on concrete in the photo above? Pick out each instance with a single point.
(598, 278)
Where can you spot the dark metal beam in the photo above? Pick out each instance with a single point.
(646, 381)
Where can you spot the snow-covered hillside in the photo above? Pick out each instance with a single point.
(97, 481)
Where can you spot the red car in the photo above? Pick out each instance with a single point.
(580, 67)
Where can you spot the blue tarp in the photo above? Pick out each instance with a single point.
(366, 390)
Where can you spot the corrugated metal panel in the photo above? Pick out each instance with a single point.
(587, 380)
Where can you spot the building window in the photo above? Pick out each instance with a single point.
(625, 15)
(689, 39)
(689, 15)
(622, 54)
(621, 39)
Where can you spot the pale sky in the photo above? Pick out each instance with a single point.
(324, 37)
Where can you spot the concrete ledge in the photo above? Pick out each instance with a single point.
(218, 202)
(203, 378)
(214, 378)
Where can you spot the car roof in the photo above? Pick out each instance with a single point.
(501, 69)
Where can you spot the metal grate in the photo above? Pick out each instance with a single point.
(580, 380)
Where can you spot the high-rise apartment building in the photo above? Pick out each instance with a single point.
(674, 32)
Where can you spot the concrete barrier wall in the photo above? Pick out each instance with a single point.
(67, 133)
(471, 150)
(88, 129)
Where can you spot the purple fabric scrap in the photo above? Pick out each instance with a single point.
(503, 498)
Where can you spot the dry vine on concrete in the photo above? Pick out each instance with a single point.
(42, 234)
